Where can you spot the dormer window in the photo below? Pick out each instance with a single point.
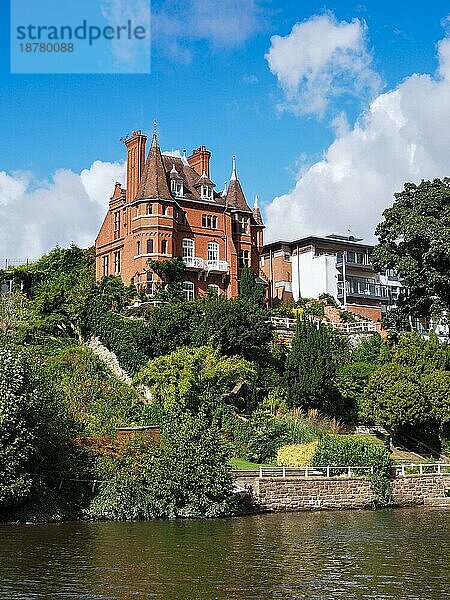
(177, 187)
(176, 183)
(206, 192)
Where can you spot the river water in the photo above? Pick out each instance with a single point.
(361, 554)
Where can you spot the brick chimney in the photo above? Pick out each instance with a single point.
(199, 160)
(135, 162)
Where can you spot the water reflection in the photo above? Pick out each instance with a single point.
(387, 554)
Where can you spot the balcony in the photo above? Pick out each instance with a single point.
(216, 266)
(353, 259)
(211, 266)
(358, 288)
(194, 262)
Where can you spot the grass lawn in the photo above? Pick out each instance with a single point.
(244, 465)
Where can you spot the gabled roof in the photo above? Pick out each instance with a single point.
(154, 180)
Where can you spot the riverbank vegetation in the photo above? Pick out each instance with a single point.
(207, 372)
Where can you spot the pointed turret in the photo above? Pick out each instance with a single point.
(257, 213)
(153, 183)
(235, 196)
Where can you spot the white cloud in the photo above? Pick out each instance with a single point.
(177, 24)
(172, 153)
(321, 59)
(35, 216)
(403, 136)
(130, 55)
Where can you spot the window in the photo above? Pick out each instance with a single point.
(188, 290)
(164, 209)
(240, 225)
(149, 246)
(206, 192)
(149, 284)
(116, 224)
(213, 251)
(163, 246)
(137, 211)
(183, 218)
(214, 289)
(149, 209)
(209, 221)
(188, 248)
(105, 265)
(243, 258)
(177, 187)
(138, 247)
(116, 263)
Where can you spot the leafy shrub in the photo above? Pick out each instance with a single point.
(191, 377)
(266, 435)
(96, 400)
(351, 380)
(188, 477)
(368, 350)
(296, 455)
(352, 451)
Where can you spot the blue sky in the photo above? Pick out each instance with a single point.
(211, 83)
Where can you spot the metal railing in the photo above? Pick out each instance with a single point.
(8, 263)
(355, 287)
(330, 471)
(422, 469)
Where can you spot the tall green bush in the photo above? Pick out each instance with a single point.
(310, 368)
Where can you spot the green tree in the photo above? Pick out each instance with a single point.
(436, 387)
(33, 430)
(394, 398)
(414, 239)
(421, 354)
(249, 289)
(191, 378)
(310, 368)
(236, 326)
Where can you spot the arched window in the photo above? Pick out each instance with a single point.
(214, 289)
(188, 290)
(163, 246)
(213, 252)
(188, 248)
(149, 246)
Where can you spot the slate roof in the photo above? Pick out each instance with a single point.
(154, 177)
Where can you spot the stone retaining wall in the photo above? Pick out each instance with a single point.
(416, 489)
(313, 493)
(319, 493)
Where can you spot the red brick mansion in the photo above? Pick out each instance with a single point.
(170, 208)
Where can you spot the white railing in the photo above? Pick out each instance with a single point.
(364, 326)
(328, 471)
(193, 262)
(308, 471)
(422, 469)
(216, 265)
